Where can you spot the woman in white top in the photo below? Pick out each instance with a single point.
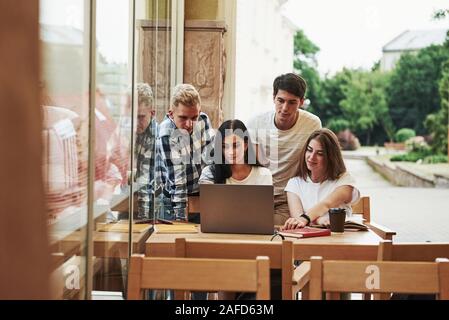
(322, 182)
(234, 158)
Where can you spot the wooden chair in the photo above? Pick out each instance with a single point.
(423, 252)
(199, 275)
(363, 207)
(282, 256)
(389, 251)
(379, 277)
(295, 279)
(230, 249)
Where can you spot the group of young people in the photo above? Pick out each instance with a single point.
(286, 147)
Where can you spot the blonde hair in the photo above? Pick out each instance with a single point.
(145, 94)
(185, 94)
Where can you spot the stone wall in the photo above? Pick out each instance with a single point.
(400, 176)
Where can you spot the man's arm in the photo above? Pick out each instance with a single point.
(145, 178)
(144, 181)
(171, 155)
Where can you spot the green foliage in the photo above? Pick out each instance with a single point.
(441, 14)
(412, 156)
(404, 134)
(437, 123)
(416, 156)
(420, 152)
(337, 125)
(328, 108)
(365, 105)
(376, 66)
(371, 104)
(303, 47)
(305, 64)
(413, 91)
(439, 158)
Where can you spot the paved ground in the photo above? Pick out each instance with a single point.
(416, 214)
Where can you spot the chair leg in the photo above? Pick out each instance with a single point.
(305, 292)
(381, 296)
(332, 296)
(181, 295)
(212, 296)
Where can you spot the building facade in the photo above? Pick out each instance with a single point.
(410, 41)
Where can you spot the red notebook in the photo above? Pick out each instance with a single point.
(306, 232)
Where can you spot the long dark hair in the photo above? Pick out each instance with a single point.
(333, 158)
(221, 170)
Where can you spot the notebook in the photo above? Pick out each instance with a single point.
(349, 226)
(228, 208)
(306, 232)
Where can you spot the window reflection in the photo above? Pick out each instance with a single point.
(65, 85)
(145, 155)
(65, 91)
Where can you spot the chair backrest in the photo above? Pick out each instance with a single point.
(389, 251)
(336, 251)
(199, 275)
(229, 249)
(379, 277)
(281, 254)
(303, 252)
(363, 207)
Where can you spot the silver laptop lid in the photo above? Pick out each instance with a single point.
(227, 208)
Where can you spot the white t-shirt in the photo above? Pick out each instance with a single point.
(311, 193)
(257, 176)
(282, 147)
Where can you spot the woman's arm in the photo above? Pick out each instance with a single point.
(339, 196)
(296, 209)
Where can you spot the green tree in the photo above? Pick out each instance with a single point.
(437, 123)
(305, 64)
(441, 14)
(413, 91)
(329, 109)
(365, 105)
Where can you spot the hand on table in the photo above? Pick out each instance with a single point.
(294, 223)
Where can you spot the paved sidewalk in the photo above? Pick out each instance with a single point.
(416, 214)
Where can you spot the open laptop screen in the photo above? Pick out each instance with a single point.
(227, 208)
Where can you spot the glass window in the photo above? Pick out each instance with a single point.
(124, 101)
(64, 35)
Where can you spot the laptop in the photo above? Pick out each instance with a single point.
(228, 208)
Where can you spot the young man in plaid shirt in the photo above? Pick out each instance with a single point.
(185, 145)
(145, 154)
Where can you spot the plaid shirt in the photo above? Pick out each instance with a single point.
(182, 160)
(145, 156)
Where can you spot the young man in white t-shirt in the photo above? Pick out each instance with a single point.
(281, 134)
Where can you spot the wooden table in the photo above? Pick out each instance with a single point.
(163, 245)
(106, 244)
